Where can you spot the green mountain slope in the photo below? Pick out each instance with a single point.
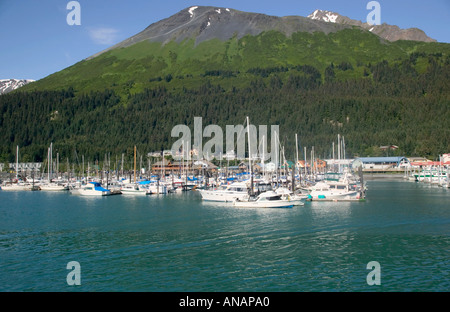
(149, 64)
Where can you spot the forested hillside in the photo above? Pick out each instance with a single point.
(404, 102)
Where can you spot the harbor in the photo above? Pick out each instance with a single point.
(178, 242)
(215, 182)
(335, 180)
(224, 156)
(190, 225)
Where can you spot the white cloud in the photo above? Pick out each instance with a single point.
(103, 35)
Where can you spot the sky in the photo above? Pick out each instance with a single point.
(36, 39)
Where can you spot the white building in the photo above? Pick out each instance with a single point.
(23, 167)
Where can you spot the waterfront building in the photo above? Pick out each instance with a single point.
(383, 164)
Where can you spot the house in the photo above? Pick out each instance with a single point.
(167, 166)
(320, 164)
(243, 166)
(302, 164)
(288, 164)
(204, 165)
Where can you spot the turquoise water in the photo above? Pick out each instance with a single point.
(179, 243)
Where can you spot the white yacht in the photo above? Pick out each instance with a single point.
(269, 199)
(287, 194)
(226, 193)
(19, 186)
(134, 189)
(334, 191)
(91, 189)
(51, 186)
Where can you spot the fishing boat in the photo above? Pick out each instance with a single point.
(91, 189)
(269, 199)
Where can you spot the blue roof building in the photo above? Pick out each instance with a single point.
(382, 162)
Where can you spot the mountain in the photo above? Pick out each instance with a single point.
(204, 23)
(8, 85)
(385, 31)
(312, 77)
(187, 47)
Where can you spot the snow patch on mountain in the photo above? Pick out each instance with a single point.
(192, 9)
(8, 85)
(326, 16)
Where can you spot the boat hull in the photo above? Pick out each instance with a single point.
(53, 188)
(256, 204)
(91, 193)
(15, 187)
(135, 193)
(334, 197)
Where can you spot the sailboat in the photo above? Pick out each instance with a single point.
(134, 188)
(17, 185)
(266, 199)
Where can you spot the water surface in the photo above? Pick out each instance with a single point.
(179, 243)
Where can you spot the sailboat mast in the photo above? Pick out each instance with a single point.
(250, 157)
(339, 153)
(263, 165)
(296, 151)
(304, 156)
(135, 164)
(17, 162)
(82, 157)
(51, 160)
(48, 160)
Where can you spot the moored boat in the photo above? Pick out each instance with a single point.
(91, 189)
(335, 191)
(134, 189)
(19, 186)
(53, 187)
(269, 199)
(297, 200)
(226, 193)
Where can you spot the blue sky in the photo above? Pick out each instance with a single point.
(36, 40)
